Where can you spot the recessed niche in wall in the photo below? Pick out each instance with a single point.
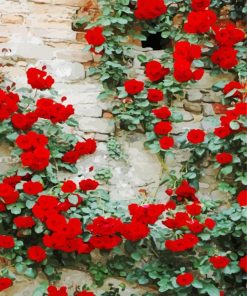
(156, 42)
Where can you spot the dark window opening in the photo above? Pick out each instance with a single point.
(156, 42)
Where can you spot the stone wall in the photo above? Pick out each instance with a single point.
(39, 32)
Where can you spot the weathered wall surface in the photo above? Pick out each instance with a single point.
(39, 32)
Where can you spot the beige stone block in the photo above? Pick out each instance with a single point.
(12, 19)
(4, 39)
(192, 107)
(97, 125)
(54, 34)
(74, 55)
(70, 2)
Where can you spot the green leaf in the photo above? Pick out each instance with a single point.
(49, 270)
(73, 199)
(197, 284)
(31, 273)
(234, 125)
(136, 256)
(226, 170)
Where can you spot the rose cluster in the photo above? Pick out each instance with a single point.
(226, 56)
(35, 154)
(184, 54)
(107, 232)
(8, 104)
(232, 115)
(62, 291)
(201, 19)
(230, 87)
(55, 112)
(163, 128)
(81, 148)
(39, 79)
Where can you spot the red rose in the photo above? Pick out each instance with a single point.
(163, 127)
(71, 156)
(162, 113)
(195, 226)
(134, 231)
(105, 226)
(166, 143)
(45, 206)
(2, 207)
(183, 73)
(194, 209)
(36, 253)
(225, 57)
(24, 121)
(12, 180)
(8, 104)
(31, 140)
(198, 5)
(184, 50)
(53, 111)
(38, 79)
(241, 108)
(170, 205)
(185, 279)
(37, 159)
(219, 261)
(146, 214)
(107, 242)
(133, 86)
(5, 283)
(24, 222)
(87, 147)
(199, 22)
(224, 158)
(84, 293)
(231, 86)
(186, 191)
(54, 291)
(188, 241)
(169, 191)
(32, 188)
(196, 136)
(155, 71)
(147, 10)
(68, 186)
(209, 223)
(95, 36)
(222, 131)
(155, 95)
(6, 242)
(242, 198)
(229, 35)
(243, 263)
(8, 194)
(88, 184)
